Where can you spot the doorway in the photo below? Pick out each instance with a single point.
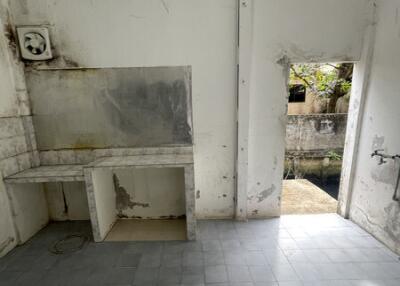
(318, 102)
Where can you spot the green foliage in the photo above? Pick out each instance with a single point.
(324, 80)
(332, 155)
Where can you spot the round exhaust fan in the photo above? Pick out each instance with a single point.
(34, 42)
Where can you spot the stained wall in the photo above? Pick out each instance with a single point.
(17, 145)
(154, 33)
(308, 31)
(371, 203)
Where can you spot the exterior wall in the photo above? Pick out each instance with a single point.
(200, 34)
(311, 105)
(17, 144)
(286, 32)
(309, 139)
(372, 206)
(314, 105)
(317, 133)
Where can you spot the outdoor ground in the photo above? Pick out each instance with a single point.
(303, 197)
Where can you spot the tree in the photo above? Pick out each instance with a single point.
(330, 81)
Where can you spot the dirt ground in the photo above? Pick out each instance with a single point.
(303, 197)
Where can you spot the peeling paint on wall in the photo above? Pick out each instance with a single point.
(385, 173)
(150, 192)
(377, 142)
(123, 199)
(265, 193)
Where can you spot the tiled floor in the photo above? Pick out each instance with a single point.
(318, 250)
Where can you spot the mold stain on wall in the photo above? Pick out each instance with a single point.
(111, 107)
(160, 107)
(124, 200)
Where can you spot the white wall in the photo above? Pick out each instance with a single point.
(203, 34)
(371, 204)
(152, 192)
(17, 139)
(8, 236)
(8, 106)
(132, 33)
(67, 201)
(30, 213)
(287, 31)
(104, 195)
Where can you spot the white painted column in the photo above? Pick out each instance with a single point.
(101, 200)
(244, 54)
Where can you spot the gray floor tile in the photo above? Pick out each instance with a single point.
(237, 273)
(129, 260)
(216, 274)
(146, 275)
(171, 259)
(214, 258)
(192, 279)
(318, 250)
(261, 274)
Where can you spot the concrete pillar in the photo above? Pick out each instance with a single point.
(244, 55)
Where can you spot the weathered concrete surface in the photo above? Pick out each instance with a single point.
(142, 33)
(58, 173)
(285, 32)
(150, 193)
(316, 132)
(141, 186)
(321, 167)
(372, 206)
(303, 197)
(100, 108)
(29, 209)
(107, 202)
(17, 141)
(101, 200)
